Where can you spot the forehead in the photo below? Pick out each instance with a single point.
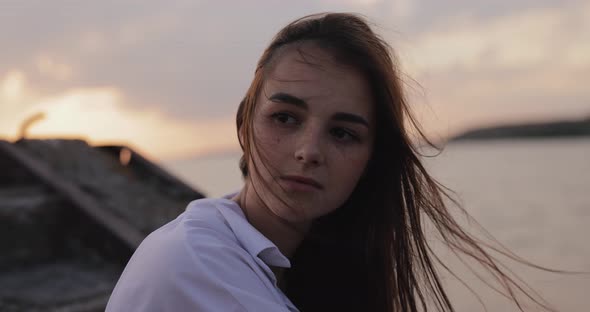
(312, 74)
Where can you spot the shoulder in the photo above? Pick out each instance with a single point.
(194, 261)
(194, 235)
(201, 217)
(199, 226)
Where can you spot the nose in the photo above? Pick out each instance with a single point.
(308, 150)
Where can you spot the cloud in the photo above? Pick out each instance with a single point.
(100, 116)
(530, 39)
(190, 59)
(190, 62)
(53, 69)
(524, 66)
(11, 87)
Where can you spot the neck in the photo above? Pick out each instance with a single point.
(284, 234)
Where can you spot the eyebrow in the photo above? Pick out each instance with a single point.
(351, 118)
(288, 99)
(339, 116)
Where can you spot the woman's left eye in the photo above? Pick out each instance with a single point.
(342, 134)
(284, 118)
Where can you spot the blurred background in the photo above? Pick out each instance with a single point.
(165, 77)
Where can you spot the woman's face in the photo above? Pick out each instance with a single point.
(313, 132)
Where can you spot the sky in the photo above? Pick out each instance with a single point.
(165, 77)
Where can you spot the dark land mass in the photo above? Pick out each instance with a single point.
(556, 129)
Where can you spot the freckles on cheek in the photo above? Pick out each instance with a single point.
(263, 133)
(269, 142)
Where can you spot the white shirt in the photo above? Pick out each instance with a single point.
(208, 259)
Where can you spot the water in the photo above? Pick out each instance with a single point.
(532, 195)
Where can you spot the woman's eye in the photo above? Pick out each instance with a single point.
(284, 118)
(343, 135)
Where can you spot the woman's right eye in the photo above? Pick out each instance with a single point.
(284, 118)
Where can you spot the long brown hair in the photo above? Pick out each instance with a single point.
(372, 254)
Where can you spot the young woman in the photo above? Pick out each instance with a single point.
(331, 216)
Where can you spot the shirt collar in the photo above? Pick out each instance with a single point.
(253, 241)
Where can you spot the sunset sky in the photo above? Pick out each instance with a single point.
(166, 76)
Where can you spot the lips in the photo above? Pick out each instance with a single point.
(303, 180)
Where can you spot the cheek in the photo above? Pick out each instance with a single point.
(265, 133)
(350, 168)
(268, 139)
(272, 145)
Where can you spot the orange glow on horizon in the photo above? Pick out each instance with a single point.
(98, 116)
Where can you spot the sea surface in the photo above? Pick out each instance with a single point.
(533, 196)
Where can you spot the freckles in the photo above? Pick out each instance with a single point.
(270, 144)
(271, 140)
(265, 136)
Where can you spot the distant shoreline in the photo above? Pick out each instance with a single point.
(555, 129)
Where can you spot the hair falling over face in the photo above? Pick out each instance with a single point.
(373, 252)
